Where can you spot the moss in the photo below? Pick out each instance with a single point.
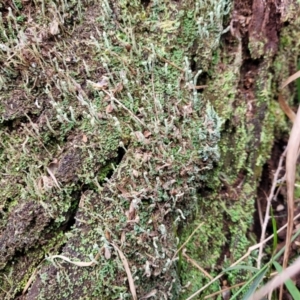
(257, 48)
(239, 168)
(171, 113)
(117, 99)
(26, 266)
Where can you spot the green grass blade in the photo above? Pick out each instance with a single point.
(241, 267)
(259, 274)
(255, 284)
(274, 225)
(256, 279)
(289, 283)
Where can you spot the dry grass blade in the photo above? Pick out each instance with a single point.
(30, 280)
(285, 107)
(181, 247)
(290, 79)
(128, 110)
(76, 263)
(53, 178)
(194, 263)
(277, 281)
(32, 277)
(291, 161)
(165, 60)
(224, 290)
(128, 272)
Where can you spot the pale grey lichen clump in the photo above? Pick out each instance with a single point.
(210, 22)
(209, 16)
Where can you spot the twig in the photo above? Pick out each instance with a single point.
(269, 200)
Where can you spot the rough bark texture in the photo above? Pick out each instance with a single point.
(125, 124)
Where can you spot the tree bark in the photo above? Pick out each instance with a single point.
(126, 124)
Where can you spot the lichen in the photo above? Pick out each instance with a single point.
(138, 106)
(109, 136)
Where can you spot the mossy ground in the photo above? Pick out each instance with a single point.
(106, 137)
